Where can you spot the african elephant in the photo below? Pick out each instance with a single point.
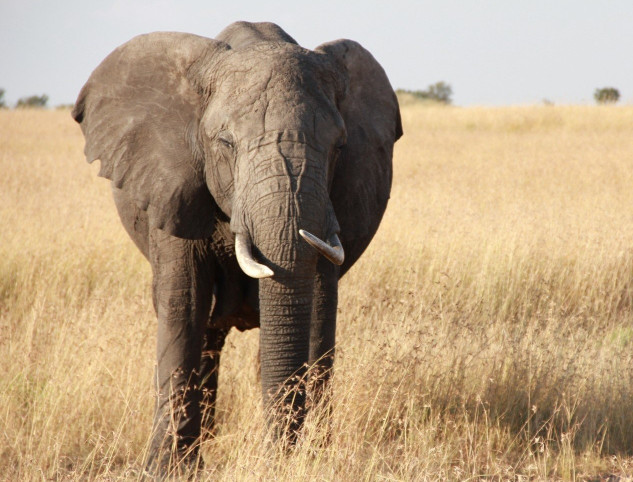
(234, 163)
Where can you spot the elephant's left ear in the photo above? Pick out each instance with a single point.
(362, 180)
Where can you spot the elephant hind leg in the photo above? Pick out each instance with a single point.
(209, 372)
(323, 329)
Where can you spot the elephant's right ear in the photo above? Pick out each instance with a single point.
(139, 112)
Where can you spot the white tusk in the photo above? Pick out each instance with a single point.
(246, 261)
(332, 251)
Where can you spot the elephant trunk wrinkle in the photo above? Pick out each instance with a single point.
(280, 176)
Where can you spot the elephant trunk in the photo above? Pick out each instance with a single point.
(285, 314)
(285, 307)
(287, 194)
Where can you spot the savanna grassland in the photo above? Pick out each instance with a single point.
(487, 333)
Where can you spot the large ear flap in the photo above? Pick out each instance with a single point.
(139, 112)
(362, 180)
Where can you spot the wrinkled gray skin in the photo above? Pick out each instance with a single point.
(247, 133)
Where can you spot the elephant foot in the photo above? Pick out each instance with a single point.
(286, 421)
(164, 465)
(174, 453)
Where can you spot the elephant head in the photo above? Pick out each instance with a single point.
(293, 146)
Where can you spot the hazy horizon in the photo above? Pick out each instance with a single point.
(490, 52)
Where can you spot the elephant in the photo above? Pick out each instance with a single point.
(251, 173)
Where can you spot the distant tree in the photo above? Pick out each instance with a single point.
(438, 92)
(3, 104)
(606, 95)
(441, 92)
(33, 101)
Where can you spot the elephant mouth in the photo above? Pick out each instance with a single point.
(333, 251)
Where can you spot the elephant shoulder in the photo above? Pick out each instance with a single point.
(243, 34)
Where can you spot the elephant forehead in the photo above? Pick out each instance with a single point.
(271, 140)
(285, 153)
(270, 54)
(269, 66)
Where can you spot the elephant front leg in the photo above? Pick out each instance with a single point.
(209, 371)
(323, 329)
(181, 290)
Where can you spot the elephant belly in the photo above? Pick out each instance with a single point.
(244, 318)
(235, 301)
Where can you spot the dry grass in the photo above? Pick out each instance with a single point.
(486, 333)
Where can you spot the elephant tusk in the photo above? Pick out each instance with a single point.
(332, 251)
(246, 261)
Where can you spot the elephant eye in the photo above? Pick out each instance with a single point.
(339, 147)
(340, 144)
(336, 154)
(226, 139)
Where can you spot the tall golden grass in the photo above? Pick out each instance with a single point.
(486, 333)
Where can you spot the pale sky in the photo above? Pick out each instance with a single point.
(491, 52)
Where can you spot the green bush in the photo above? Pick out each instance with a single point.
(37, 101)
(606, 95)
(438, 92)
